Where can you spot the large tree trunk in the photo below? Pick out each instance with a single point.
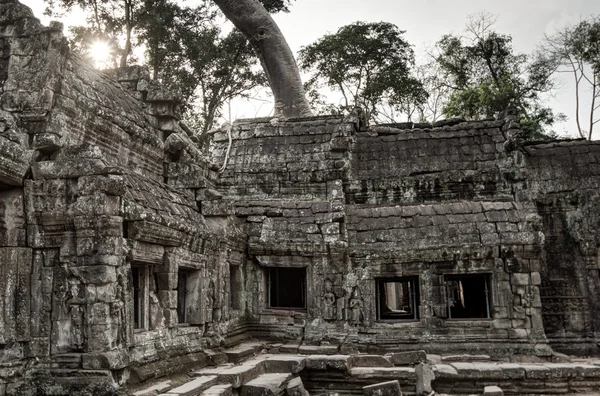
(251, 18)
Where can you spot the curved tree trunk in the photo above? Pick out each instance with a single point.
(251, 18)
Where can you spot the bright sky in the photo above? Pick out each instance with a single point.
(425, 21)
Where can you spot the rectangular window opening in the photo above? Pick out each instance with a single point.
(287, 288)
(468, 296)
(235, 284)
(398, 299)
(182, 295)
(139, 296)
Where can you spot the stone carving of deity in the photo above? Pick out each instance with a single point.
(357, 315)
(329, 301)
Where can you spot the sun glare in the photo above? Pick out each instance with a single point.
(100, 53)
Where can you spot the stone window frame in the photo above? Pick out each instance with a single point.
(236, 279)
(488, 289)
(268, 289)
(417, 296)
(194, 276)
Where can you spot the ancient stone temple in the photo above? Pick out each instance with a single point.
(131, 249)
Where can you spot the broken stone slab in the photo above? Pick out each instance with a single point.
(153, 390)
(407, 358)
(425, 376)
(296, 388)
(272, 384)
(194, 387)
(492, 391)
(407, 373)
(218, 390)
(390, 388)
(369, 361)
(285, 364)
(328, 362)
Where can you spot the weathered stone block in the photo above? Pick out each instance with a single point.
(407, 358)
(370, 361)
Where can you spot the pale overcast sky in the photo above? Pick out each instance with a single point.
(425, 21)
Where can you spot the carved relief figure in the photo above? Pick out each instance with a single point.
(357, 315)
(210, 301)
(329, 301)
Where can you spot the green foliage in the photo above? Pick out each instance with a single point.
(485, 76)
(585, 42)
(370, 64)
(213, 70)
(274, 6)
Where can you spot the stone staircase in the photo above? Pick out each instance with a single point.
(261, 375)
(250, 373)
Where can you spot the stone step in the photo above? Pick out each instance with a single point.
(271, 384)
(235, 375)
(211, 370)
(328, 362)
(242, 351)
(318, 349)
(194, 387)
(284, 364)
(219, 390)
(363, 360)
(154, 390)
(382, 373)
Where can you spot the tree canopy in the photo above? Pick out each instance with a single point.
(486, 76)
(370, 65)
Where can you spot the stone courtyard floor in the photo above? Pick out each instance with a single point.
(259, 369)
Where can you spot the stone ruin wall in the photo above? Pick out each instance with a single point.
(99, 180)
(98, 177)
(353, 205)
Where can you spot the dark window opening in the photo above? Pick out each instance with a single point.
(287, 287)
(468, 296)
(182, 282)
(138, 297)
(235, 284)
(398, 299)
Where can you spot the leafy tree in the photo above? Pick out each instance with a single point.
(485, 76)
(370, 65)
(576, 50)
(212, 70)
